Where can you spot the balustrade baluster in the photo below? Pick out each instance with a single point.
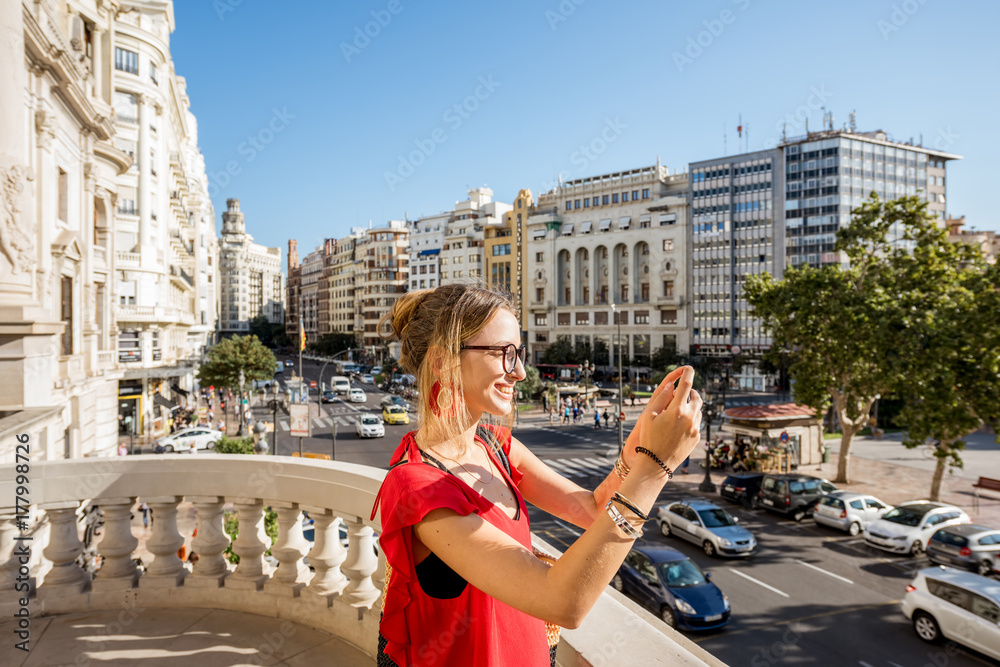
(360, 565)
(167, 570)
(250, 545)
(116, 546)
(210, 570)
(292, 574)
(10, 566)
(63, 547)
(327, 553)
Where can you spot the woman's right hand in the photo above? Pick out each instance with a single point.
(671, 427)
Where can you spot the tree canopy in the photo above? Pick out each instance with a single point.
(230, 355)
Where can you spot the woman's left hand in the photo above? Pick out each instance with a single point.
(667, 385)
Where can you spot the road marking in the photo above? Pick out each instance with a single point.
(818, 569)
(573, 465)
(758, 582)
(318, 422)
(283, 424)
(568, 528)
(790, 622)
(895, 664)
(345, 421)
(864, 664)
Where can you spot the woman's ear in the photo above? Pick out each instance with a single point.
(436, 355)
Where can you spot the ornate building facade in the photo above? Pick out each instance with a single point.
(251, 278)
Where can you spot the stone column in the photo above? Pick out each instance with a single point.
(97, 61)
(361, 565)
(327, 553)
(145, 164)
(210, 570)
(166, 570)
(118, 571)
(63, 547)
(292, 574)
(9, 563)
(250, 545)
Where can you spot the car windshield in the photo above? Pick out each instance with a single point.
(681, 574)
(836, 503)
(369, 420)
(905, 516)
(716, 518)
(394, 409)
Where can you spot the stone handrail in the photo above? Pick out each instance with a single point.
(340, 597)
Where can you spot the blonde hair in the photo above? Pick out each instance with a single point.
(431, 326)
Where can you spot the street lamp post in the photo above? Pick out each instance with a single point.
(621, 422)
(239, 406)
(587, 368)
(274, 418)
(709, 412)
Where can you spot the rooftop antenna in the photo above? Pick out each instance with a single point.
(852, 123)
(807, 126)
(784, 131)
(724, 149)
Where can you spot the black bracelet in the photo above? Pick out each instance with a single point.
(643, 450)
(627, 504)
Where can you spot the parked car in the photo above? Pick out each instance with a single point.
(743, 488)
(846, 510)
(358, 395)
(792, 494)
(367, 379)
(202, 437)
(707, 525)
(672, 585)
(369, 426)
(376, 370)
(329, 396)
(945, 603)
(907, 528)
(968, 546)
(393, 414)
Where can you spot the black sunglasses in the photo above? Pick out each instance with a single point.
(511, 353)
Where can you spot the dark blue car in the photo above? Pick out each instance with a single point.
(672, 585)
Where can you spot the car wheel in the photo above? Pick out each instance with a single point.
(169, 448)
(709, 548)
(799, 515)
(667, 614)
(665, 528)
(916, 549)
(985, 568)
(617, 582)
(926, 627)
(854, 528)
(754, 502)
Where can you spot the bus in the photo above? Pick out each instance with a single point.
(559, 372)
(280, 369)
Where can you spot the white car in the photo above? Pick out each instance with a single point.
(180, 441)
(849, 511)
(946, 603)
(906, 528)
(369, 426)
(358, 395)
(367, 379)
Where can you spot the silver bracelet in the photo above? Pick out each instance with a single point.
(620, 521)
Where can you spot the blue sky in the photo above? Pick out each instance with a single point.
(323, 127)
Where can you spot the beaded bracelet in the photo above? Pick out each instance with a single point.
(620, 468)
(628, 529)
(628, 504)
(643, 450)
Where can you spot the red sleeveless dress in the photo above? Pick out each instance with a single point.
(474, 628)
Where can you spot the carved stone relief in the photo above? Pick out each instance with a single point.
(15, 237)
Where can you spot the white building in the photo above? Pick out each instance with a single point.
(251, 278)
(617, 238)
(104, 247)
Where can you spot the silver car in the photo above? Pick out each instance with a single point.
(968, 546)
(849, 511)
(708, 525)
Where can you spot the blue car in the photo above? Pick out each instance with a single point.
(672, 585)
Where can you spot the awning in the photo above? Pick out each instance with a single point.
(645, 217)
(538, 234)
(182, 392)
(158, 372)
(605, 225)
(668, 218)
(434, 251)
(567, 229)
(624, 221)
(161, 401)
(585, 227)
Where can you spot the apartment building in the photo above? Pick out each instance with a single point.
(382, 276)
(617, 238)
(251, 278)
(503, 250)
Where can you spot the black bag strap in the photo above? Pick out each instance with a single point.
(488, 437)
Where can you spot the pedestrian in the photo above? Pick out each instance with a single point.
(144, 508)
(684, 466)
(222, 425)
(552, 416)
(566, 413)
(122, 449)
(597, 419)
(633, 400)
(159, 448)
(606, 418)
(576, 414)
(463, 344)
(192, 448)
(211, 416)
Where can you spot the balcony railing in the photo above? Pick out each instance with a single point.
(127, 259)
(340, 596)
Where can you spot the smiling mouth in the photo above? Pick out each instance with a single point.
(506, 391)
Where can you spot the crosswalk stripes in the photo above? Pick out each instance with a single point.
(591, 466)
(322, 422)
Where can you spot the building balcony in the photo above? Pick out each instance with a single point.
(672, 301)
(154, 315)
(320, 603)
(181, 277)
(127, 260)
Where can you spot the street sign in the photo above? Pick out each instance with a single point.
(784, 437)
(312, 384)
(621, 416)
(736, 350)
(299, 425)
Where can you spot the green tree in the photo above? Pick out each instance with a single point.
(532, 382)
(262, 328)
(231, 355)
(836, 322)
(231, 520)
(560, 351)
(663, 357)
(949, 357)
(332, 343)
(227, 445)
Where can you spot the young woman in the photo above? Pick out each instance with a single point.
(464, 587)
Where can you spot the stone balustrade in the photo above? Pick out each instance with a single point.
(337, 592)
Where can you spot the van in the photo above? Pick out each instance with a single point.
(793, 495)
(340, 384)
